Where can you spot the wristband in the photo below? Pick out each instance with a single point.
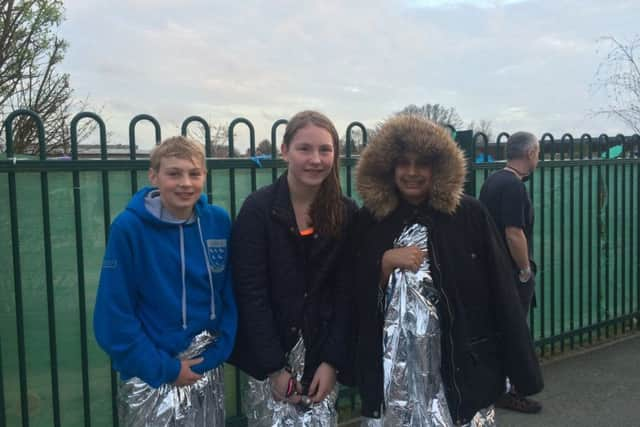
(291, 387)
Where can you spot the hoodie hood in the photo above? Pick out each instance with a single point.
(146, 205)
(430, 142)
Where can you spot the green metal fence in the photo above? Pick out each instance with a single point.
(56, 215)
(587, 234)
(55, 221)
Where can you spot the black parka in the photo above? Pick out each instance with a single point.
(284, 287)
(484, 332)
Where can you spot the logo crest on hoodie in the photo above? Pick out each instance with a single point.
(217, 251)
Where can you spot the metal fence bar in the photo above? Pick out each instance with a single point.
(618, 280)
(599, 247)
(635, 189)
(348, 148)
(572, 321)
(591, 238)
(48, 267)
(626, 230)
(80, 248)
(106, 212)
(274, 146)
(552, 241)
(562, 248)
(541, 275)
(184, 130)
(132, 142)
(17, 275)
(637, 233)
(3, 415)
(232, 195)
(607, 235)
(232, 171)
(581, 254)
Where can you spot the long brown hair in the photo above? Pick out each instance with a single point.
(327, 211)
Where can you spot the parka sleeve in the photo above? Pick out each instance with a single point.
(116, 326)
(520, 360)
(257, 332)
(339, 346)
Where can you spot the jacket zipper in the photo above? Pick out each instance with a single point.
(450, 334)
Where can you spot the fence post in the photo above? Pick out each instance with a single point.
(464, 138)
(347, 153)
(207, 148)
(274, 149)
(132, 143)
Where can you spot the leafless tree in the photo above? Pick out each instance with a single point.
(264, 147)
(219, 138)
(29, 54)
(357, 141)
(619, 76)
(437, 113)
(484, 126)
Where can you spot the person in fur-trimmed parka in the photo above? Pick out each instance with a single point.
(413, 172)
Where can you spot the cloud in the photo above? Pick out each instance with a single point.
(517, 63)
(563, 44)
(483, 4)
(515, 113)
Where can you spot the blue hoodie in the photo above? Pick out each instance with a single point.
(163, 282)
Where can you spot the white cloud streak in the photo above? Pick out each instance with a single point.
(520, 64)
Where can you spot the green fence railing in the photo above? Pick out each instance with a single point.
(57, 211)
(586, 197)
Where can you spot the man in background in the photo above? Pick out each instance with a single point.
(508, 201)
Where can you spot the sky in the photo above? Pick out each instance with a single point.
(522, 64)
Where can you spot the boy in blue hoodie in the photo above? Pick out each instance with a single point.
(165, 311)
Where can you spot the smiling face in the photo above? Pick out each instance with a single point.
(310, 157)
(413, 178)
(180, 182)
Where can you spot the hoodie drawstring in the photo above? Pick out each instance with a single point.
(206, 259)
(184, 282)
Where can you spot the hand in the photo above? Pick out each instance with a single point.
(323, 382)
(186, 375)
(409, 258)
(524, 275)
(280, 383)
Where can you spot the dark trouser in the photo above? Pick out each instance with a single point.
(526, 292)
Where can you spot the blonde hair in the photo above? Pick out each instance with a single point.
(180, 147)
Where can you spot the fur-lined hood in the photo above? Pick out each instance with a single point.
(410, 134)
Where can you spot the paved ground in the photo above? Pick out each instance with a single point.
(599, 387)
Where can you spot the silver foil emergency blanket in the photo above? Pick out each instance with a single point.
(413, 387)
(196, 405)
(262, 410)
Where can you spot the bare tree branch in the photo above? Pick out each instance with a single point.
(437, 113)
(619, 76)
(30, 52)
(219, 138)
(482, 126)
